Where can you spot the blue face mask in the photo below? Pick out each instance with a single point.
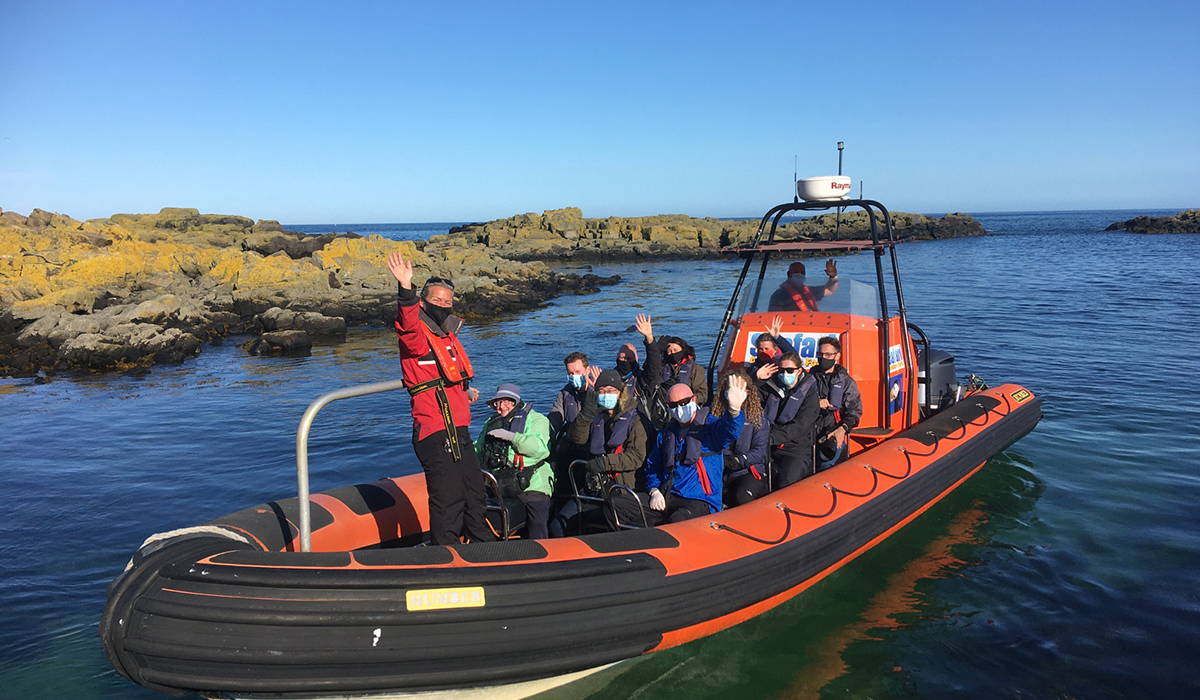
(684, 413)
(789, 380)
(607, 401)
(576, 380)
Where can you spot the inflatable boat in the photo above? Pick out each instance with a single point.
(324, 594)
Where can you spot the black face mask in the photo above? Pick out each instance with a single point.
(675, 357)
(625, 367)
(825, 363)
(437, 313)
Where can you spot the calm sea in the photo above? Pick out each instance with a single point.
(1068, 567)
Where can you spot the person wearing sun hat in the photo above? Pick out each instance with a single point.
(514, 444)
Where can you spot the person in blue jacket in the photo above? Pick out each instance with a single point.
(685, 470)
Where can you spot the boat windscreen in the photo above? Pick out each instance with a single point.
(809, 290)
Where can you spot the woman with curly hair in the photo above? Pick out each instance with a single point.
(745, 460)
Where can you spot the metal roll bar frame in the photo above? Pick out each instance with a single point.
(875, 211)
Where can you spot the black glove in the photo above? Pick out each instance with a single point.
(733, 463)
(596, 465)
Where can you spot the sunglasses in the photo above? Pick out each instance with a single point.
(680, 402)
(790, 370)
(441, 281)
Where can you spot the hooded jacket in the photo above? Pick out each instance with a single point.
(623, 466)
(666, 375)
(532, 444)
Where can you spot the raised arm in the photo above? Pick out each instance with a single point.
(831, 272)
(408, 312)
(652, 368)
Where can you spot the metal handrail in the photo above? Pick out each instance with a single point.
(306, 422)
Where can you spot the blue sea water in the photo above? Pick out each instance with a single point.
(398, 232)
(1068, 567)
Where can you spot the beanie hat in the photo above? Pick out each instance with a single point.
(609, 377)
(507, 391)
(629, 350)
(796, 268)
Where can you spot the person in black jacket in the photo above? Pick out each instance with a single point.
(790, 404)
(671, 361)
(840, 403)
(746, 459)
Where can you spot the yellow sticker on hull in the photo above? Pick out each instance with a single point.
(1021, 396)
(445, 598)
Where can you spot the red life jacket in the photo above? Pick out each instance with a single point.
(455, 369)
(802, 297)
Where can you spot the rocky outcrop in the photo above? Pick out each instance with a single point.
(565, 233)
(1187, 221)
(311, 322)
(135, 289)
(292, 342)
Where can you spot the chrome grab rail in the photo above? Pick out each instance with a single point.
(306, 422)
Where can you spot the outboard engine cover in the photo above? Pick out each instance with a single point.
(942, 382)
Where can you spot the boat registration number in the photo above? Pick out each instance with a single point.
(1021, 396)
(445, 598)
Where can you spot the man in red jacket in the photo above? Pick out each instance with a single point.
(437, 373)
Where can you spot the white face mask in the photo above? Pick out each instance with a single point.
(684, 413)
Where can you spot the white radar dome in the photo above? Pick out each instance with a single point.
(815, 189)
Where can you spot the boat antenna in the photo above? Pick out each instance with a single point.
(860, 189)
(837, 227)
(795, 179)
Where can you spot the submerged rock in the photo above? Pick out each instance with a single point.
(280, 343)
(1187, 221)
(311, 322)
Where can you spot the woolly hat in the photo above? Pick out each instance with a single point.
(609, 377)
(629, 350)
(796, 268)
(507, 391)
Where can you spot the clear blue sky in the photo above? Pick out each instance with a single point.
(313, 112)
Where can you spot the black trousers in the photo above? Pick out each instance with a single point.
(792, 463)
(537, 514)
(743, 489)
(456, 500)
(678, 509)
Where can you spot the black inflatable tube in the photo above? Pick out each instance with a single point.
(621, 607)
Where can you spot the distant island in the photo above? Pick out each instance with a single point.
(132, 290)
(561, 234)
(1187, 221)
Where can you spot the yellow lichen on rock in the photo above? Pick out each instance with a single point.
(347, 253)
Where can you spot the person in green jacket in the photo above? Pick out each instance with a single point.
(515, 446)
